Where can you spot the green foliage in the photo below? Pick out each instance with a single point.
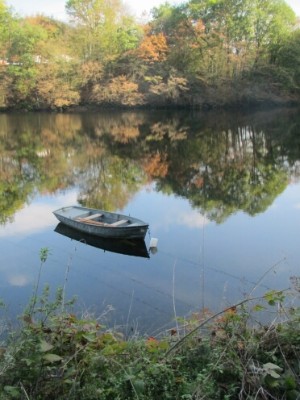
(5, 25)
(57, 355)
(104, 28)
(287, 60)
(44, 252)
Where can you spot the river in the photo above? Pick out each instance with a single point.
(220, 192)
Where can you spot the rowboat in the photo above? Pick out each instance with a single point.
(128, 247)
(101, 223)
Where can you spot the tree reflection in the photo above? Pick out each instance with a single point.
(221, 165)
(110, 182)
(223, 172)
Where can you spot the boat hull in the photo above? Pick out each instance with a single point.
(107, 227)
(129, 247)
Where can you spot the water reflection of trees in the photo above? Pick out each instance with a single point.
(220, 164)
(230, 171)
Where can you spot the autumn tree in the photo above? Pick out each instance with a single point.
(214, 39)
(37, 45)
(153, 48)
(118, 90)
(55, 86)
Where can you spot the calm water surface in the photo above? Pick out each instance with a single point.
(221, 192)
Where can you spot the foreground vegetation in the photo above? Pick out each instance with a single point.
(202, 53)
(229, 355)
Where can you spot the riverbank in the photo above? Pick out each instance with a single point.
(240, 94)
(228, 355)
(221, 58)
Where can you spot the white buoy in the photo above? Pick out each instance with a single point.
(153, 245)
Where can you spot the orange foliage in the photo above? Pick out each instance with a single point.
(199, 27)
(152, 344)
(157, 166)
(152, 339)
(153, 48)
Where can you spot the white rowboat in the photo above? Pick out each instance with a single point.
(102, 223)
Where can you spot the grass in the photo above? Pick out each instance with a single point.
(227, 355)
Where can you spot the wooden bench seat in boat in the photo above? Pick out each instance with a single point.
(90, 217)
(120, 222)
(92, 222)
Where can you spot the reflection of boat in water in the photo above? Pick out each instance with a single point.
(102, 223)
(130, 247)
